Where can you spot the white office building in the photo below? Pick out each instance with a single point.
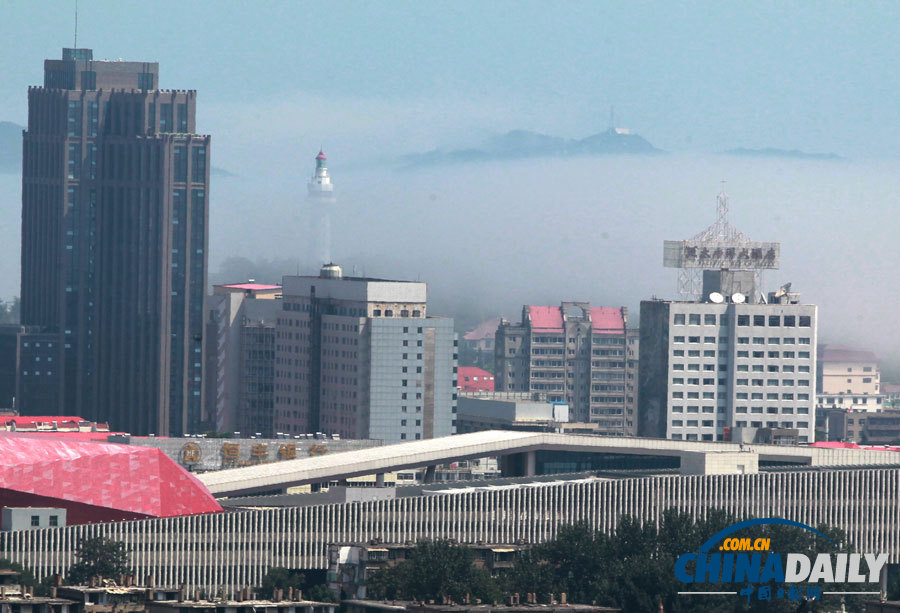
(360, 358)
(709, 367)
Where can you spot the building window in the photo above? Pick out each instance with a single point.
(182, 118)
(35, 520)
(198, 164)
(743, 320)
(709, 320)
(759, 320)
(180, 163)
(145, 80)
(805, 321)
(694, 319)
(54, 520)
(74, 162)
(73, 119)
(165, 118)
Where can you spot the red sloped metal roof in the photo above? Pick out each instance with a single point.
(42, 419)
(252, 286)
(607, 320)
(474, 379)
(841, 353)
(130, 479)
(545, 318)
(836, 445)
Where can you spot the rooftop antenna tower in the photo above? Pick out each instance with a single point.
(75, 46)
(721, 246)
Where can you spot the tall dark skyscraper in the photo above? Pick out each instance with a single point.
(115, 203)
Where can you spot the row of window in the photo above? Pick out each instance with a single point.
(709, 423)
(403, 313)
(770, 396)
(741, 340)
(743, 367)
(709, 319)
(772, 410)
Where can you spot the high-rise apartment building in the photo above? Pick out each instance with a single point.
(573, 353)
(708, 367)
(849, 379)
(240, 354)
(359, 357)
(115, 203)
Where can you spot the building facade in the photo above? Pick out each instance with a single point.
(240, 354)
(115, 187)
(706, 368)
(848, 379)
(632, 362)
(360, 358)
(574, 354)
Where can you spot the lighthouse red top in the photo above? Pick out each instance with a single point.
(321, 155)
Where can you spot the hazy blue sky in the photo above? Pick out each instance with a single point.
(703, 76)
(374, 80)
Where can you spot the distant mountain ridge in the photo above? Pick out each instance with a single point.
(519, 144)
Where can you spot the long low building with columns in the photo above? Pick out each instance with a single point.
(227, 551)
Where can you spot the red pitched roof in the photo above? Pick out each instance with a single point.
(546, 318)
(836, 445)
(252, 286)
(486, 329)
(607, 320)
(474, 379)
(42, 419)
(841, 353)
(131, 481)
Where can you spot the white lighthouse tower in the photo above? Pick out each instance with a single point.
(321, 197)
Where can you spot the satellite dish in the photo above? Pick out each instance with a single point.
(738, 298)
(783, 290)
(717, 298)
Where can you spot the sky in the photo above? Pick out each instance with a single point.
(690, 76)
(373, 81)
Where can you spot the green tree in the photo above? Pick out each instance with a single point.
(434, 570)
(99, 557)
(634, 569)
(320, 593)
(281, 579)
